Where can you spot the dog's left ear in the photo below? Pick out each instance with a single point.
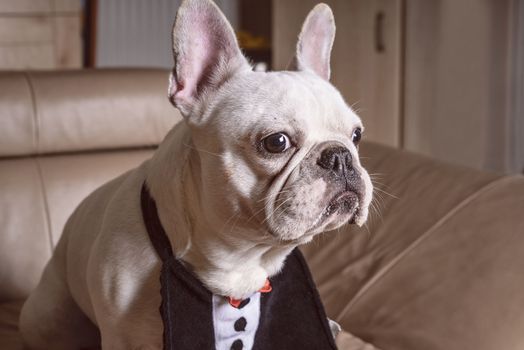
(315, 42)
(206, 53)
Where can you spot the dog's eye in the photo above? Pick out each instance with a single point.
(357, 135)
(277, 143)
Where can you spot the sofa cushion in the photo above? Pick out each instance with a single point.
(459, 286)
(9, 336)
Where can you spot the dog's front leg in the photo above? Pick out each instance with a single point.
(124, 287)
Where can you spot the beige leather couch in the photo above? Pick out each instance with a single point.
(441, 266)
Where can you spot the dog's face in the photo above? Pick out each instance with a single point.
(276, 153)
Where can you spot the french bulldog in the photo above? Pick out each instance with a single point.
(263, 162)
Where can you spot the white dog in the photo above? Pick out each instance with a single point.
(262, 163)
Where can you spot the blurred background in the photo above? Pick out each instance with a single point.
(444, 78)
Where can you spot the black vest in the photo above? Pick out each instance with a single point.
(291, 315)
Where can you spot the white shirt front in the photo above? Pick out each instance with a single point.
(235, 328)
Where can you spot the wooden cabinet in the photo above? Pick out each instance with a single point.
(40, 34)
(457, 59)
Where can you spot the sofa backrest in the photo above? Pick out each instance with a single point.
(63, 134)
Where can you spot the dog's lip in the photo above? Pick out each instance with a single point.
(333, 206)
(346, 197)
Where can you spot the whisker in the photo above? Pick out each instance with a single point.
(375, 209)
(379, 183)
(370, 235)
(234, 225)
(227, 221)
(385, 192)
(255, 213)
(279, 193)
(203, 150)
(354, 104)
(286, 190)
(274, 210)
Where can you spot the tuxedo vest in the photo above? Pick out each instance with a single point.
(290, 317)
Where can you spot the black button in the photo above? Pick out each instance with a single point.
(240, 324)
(243, 303)
(237, 345)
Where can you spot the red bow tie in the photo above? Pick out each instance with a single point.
(265, 289)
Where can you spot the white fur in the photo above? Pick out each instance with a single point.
(215, 191)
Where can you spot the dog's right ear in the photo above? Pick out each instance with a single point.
(206, 53)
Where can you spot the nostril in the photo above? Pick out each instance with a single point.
(326, 159)
(337, 159)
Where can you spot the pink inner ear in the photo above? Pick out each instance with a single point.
(196, 61)
(204, 46)
(316, 40)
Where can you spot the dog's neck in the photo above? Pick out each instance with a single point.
(228, 264)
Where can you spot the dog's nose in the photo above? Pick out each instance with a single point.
(337, 159)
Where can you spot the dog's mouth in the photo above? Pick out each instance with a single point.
(344, 207)
(343, 204)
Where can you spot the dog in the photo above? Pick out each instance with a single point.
(262, 163)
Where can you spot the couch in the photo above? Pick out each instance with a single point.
(440, 264)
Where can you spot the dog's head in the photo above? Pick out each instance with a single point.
(276, 153)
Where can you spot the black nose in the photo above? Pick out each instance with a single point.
(337, 159)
